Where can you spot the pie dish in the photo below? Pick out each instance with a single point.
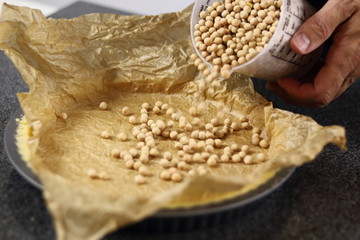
(90, 59)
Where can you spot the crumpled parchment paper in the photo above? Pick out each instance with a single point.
(72, 65)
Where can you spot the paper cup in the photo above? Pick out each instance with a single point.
(277, 59)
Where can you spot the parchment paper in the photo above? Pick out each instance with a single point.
(72, 65)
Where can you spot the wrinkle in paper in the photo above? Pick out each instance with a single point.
(72, 65)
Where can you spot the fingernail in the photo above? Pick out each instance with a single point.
(302, 42)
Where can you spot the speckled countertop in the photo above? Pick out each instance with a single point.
(321, 200)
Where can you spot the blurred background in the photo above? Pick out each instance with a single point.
(143, 7)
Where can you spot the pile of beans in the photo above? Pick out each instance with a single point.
(197, 144)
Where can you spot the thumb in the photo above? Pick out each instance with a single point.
(318, 28)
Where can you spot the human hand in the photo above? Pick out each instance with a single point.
(328, 79)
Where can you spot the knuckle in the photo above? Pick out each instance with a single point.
(350, 60)
(320, 28)
(349, 6)
(323, 99)
(353, 56)
(323, 104)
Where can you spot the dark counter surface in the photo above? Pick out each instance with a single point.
(321, 200)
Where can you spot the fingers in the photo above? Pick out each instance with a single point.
(287, 88)
(318, 28)
(342, 64)
(334, 77)
(280, 92)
